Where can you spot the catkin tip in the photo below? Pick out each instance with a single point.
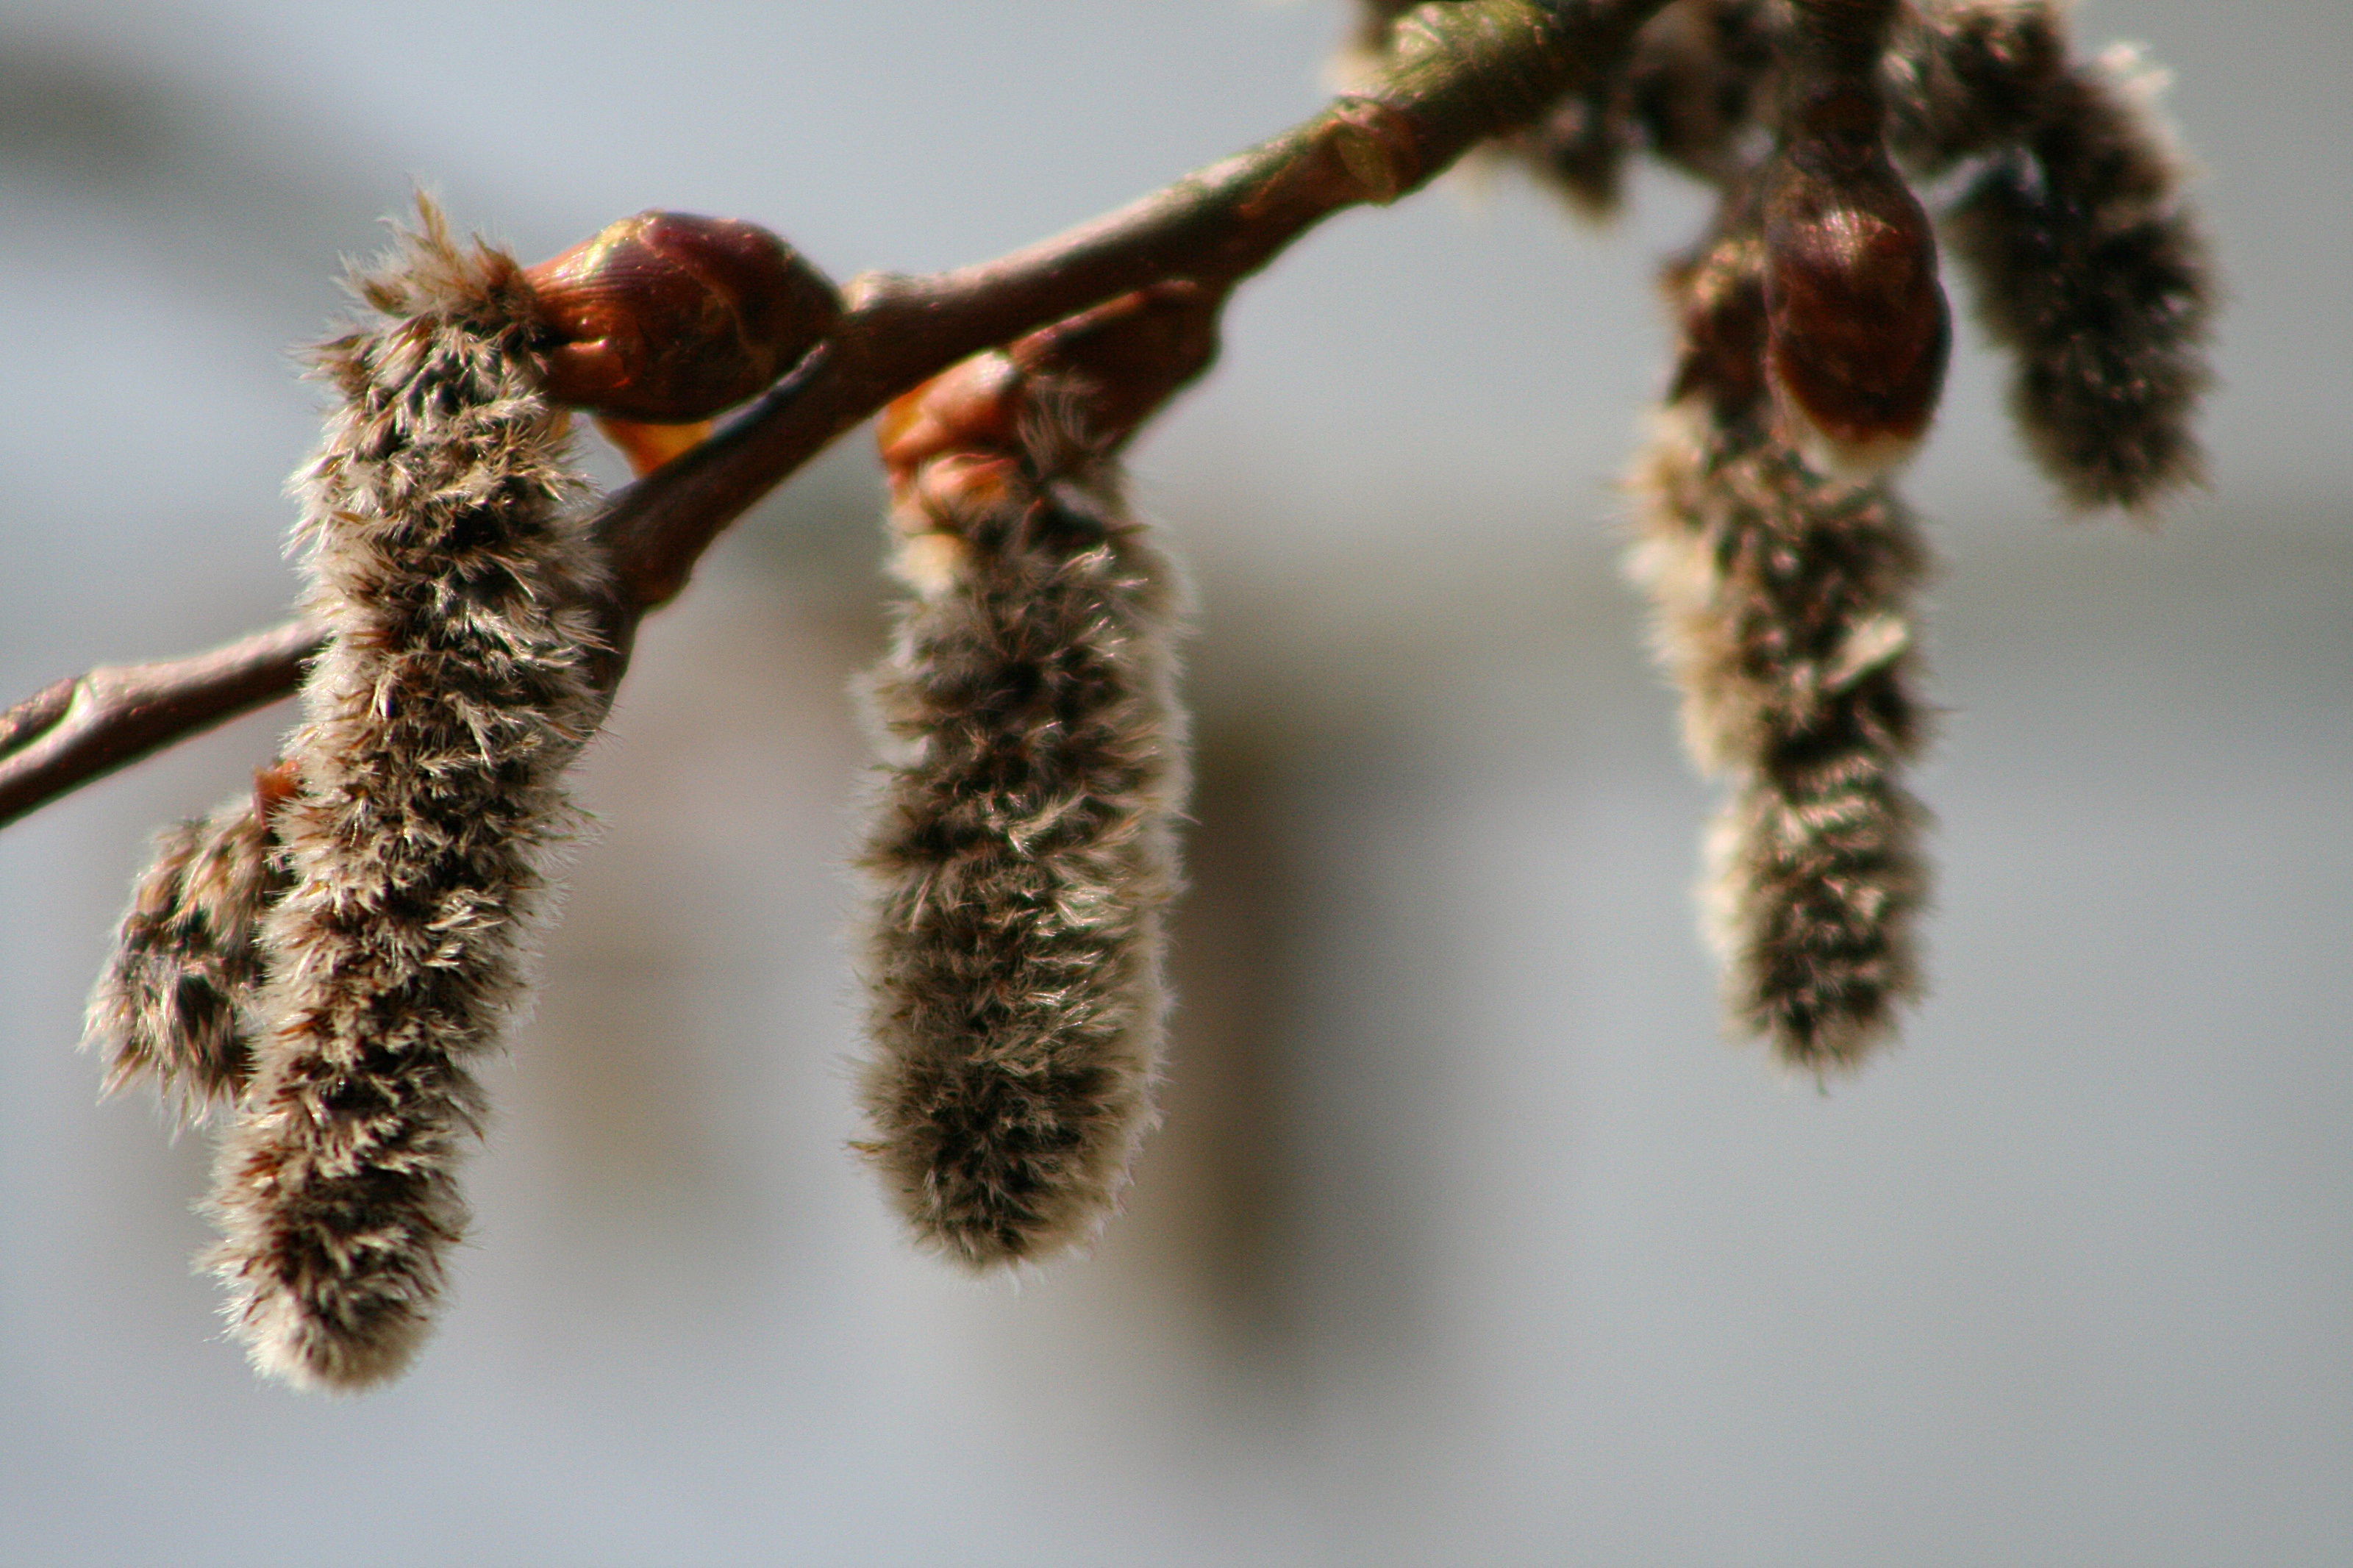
(1813, 903)
(323, 1347)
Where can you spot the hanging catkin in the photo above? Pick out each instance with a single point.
(1021, 852)
(174, 1003)
(1813, 341)
(455, 688)
(1784, 613)
(2092, 271)
(2089, 264)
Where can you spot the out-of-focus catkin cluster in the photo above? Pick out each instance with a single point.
(1022, 850)
(1813, 339)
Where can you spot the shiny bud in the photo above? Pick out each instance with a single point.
(1127, 357)
(668, 317)
(1857, 331)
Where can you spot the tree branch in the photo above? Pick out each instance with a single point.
(87, 725)
(1459, 74)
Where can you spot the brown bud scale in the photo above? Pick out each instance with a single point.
(668, 317)
(1857, 331)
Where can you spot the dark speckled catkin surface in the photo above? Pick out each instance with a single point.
(1021, 857)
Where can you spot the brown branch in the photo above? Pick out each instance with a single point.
(1459, 74)
(78, 729)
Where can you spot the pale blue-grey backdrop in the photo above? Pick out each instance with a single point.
(1467, 1241)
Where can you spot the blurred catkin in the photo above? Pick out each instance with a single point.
(455, 688)
(1021, 852)
(2088, 263)
(1814, 335)
(2093, 272)
(1783, 612)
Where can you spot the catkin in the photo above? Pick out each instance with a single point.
(1692, 82)
(1022, 854)
(1784, 615)
(2088, 264)
(175, 1003)
(454, 689)
(1783, 612)
(1964, 78)
(2090, 269)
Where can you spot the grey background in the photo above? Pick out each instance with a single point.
(1467, 1239)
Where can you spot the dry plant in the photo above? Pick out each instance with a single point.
(323, 961)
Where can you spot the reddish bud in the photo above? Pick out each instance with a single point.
(1064, 395)
(648, 447)
(1131, 354)
(274, 785)
(668, 317)
(1125, 358)
(972, 406)
(1857, 331)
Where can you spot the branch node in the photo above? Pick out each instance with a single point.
(1377, 146)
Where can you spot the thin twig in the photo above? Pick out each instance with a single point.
(81, 727)
(1462, 73)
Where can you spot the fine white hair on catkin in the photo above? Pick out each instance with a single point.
(455, 688)
(175, 1003)
(1783, 614)
(1021, 853)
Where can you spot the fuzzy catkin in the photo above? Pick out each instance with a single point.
(175, 1000)
(1021, 856)
(2089, 265)
(454, 689)
(1783, 614)
(2090, 269)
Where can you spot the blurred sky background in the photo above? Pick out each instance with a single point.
(1467, 1240)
